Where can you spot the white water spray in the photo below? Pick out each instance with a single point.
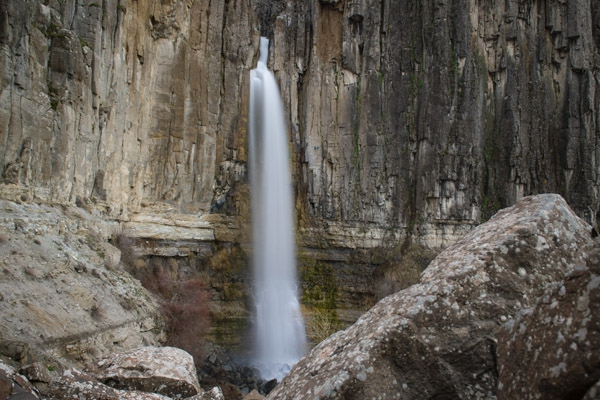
(279, 327)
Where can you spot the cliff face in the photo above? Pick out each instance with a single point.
(425, 115)
(125, 103)
(406, 119)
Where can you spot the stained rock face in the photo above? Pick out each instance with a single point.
(428, 117)
(552, 351)
(164, 370)
(125, 103)
(438, 339)
(404, 117)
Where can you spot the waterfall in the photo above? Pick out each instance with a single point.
(279, 327)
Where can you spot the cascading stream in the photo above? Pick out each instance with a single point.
(279, 327)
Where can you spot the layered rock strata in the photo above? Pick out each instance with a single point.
(126, 103)
(406, 118)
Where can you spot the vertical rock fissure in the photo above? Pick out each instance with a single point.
(356, 144)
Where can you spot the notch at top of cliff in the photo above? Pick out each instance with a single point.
(267, 12)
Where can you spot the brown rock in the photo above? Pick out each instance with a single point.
(36, 372)
(14, 385)
(5, 386)
(254, 395)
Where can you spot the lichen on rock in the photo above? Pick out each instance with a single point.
(439, 337)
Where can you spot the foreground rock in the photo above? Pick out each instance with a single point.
(552, 351)
(438, 339)
(165, 370)
(14, 385)
(74, 384)
(149, 373)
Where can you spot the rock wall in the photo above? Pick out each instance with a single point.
(425, 116)
(127, 103)
(406, 118)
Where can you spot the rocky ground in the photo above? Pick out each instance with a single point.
(61, 288)
(507, 312)
(66, 302)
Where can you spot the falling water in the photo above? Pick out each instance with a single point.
(279, 327)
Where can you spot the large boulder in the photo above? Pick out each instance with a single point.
(438, 339)
(167, 371)
(74, 384)
(552, 351)
(149, 373)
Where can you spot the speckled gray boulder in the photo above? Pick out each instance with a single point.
(438, 339)
(552, 351)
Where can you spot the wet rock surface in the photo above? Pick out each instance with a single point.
(439, 338)
(234, 374)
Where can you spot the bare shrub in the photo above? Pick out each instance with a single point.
(184, 304)
(187, 315)
(183, 298)
(320, 323)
